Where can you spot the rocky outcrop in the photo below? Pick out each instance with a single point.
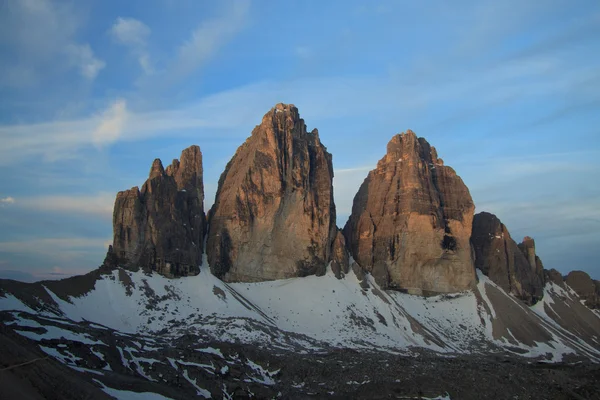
(161, 227)
(411, 221)
(274, 216)
(554, 276)
(340, 261)
(515, 268)
(585, 287)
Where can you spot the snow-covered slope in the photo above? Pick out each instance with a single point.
(312, 313)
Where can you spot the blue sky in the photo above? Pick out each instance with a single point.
(92, 91)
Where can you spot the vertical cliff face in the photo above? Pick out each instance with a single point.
(161, 227)
(515, 268)
(274, 216)
(411, 221)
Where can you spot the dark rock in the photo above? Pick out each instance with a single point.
(585, 287)
(554, 276)
(411, 221)
(507, 264)
(161, 227)
(274, 215)
(340, 262)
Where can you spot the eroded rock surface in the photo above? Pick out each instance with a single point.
(161, 227)
(274, 216)
(340, 261)
(585, 287)
(411, 221)
(515, 268)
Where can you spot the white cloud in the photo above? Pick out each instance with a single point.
(36, 36)
(82, 57)
(7, 200)
(130, 31)
(100, 204)
(207, 38)
(112, 124)
(134, 34)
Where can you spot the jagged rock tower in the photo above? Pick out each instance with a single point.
(161, 227)
(274, 216)
(411, 221)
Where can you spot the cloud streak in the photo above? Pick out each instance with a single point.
(98, 205)
(133, 34)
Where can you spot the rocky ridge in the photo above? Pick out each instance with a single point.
(161, 227)
(515, 268)
(411, 221)
(274, 215)
(585, 287)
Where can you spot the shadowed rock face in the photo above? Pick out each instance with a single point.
(161, 227)
(515, 268)
(411, 221)
(554, 276)
(585, 287)
(274, 216)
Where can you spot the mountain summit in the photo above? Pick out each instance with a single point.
(274, 216)
(411, 221)
(161, 227)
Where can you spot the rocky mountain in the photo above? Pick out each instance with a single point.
(515, 268)
(161, 227)
(411, 221)
(585, 287)
(274, 216)
(282, 304)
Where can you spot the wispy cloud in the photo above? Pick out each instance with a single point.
(207, 38)
(112, 123)
(39, 35)
(7, 200)
(54, 246)
(83, 58)
(99, 204)
(134, 34)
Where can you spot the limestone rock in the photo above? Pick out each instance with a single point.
(411, 221)
(515, 268)
(585, 287)
(274, 216)
(161, 227)
(340, 262)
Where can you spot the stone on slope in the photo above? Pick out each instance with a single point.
(340, 261)
(411, 221)
(274, 216)
(507, 264)
(161, 227)
(585, 287)
(554, 276)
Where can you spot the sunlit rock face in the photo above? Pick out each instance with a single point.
(411, 221)
(274, 216)
(161, 227)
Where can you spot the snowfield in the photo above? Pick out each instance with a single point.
(313, 313)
